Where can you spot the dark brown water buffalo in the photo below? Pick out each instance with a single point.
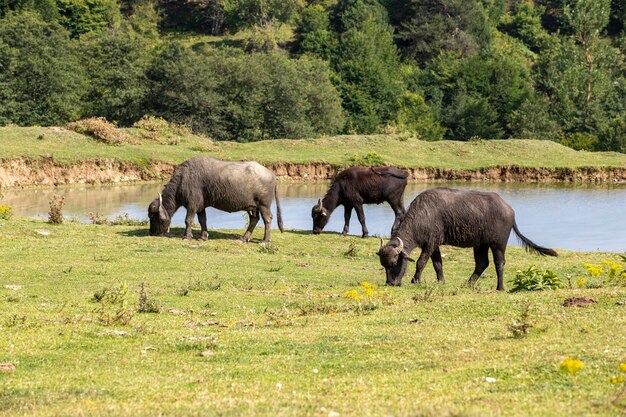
(203, 181)
(356, 186)
(443, 216)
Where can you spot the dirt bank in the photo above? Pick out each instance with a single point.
(46, 171)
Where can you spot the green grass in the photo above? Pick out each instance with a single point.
(69, 147)
(272, 317)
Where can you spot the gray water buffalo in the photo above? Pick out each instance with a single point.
(204, 181)
(356, 186)
(443, 216)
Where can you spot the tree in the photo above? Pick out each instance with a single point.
(41, 79)
(430, 27)
(368, 65)
(116, 62)
(83, 16)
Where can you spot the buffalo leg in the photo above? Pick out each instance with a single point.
(254, 219)
(266, 214)
(438, 265)
(188, 224)
(347, 213)
(481, 258)
(499, 261)
(420, 264)
(361, 216)
(202, 221)
(399, 211)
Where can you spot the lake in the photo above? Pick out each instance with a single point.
(581, 217)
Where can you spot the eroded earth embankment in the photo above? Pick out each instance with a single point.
(46, 171)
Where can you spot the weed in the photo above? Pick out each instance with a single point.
(532, 279)
(14, 320)
(147, 304)
(97, 218)
(55, 215)
(113, 305)
(6, 212)
(268, 248)
(608, 272)
(520, 326)
(199, 285)
(352, 252)
(126, 220)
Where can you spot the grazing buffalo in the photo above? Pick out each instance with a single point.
(442, 216)
(203, 181)
(356, 186)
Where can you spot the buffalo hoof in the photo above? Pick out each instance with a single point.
(187, 237)
(204, 236)
(365, 236)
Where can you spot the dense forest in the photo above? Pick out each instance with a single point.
(248, 70)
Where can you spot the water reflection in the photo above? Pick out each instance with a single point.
(589, 217)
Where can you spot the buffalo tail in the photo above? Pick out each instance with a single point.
(529, 245)
(279, 214)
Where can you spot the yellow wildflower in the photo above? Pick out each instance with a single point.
(352, 295)
(616, 379)
(594, 270)
(581, 282)
(571, 366)
(621, 367)
(369, 289)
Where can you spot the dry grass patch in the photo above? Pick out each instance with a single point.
(101, 130)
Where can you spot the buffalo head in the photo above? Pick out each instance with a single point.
(320, 217)
(395, 260)
(159, 218)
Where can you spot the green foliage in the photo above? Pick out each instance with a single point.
(116, 64)
(248, 13)
(41, 79)
(84, 16)
(244, 97)
(430, 27)
(580, 141)
(369, 159)
(533, 279)
(524, 23)
(415, 116)
(367, 63)
(113, 305)
(314, 35)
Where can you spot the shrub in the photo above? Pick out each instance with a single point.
(101, 130)
(126, 220)
(369, 159)
(55, 215)
(147, 304)
(113, 305)
(6, 212)
(533, 279)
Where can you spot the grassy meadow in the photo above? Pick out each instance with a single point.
(69, 147)
(104, 320)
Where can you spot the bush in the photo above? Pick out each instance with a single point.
(580, 141)
(55, 215)
(533, 279)
(369, 159)
(101, 130)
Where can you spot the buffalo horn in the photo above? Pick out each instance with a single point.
(160, 200)
(400, 247)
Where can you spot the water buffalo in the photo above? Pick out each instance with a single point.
(356, 186)
(203, 181)
(443, 216)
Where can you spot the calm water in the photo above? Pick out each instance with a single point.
(585, 218)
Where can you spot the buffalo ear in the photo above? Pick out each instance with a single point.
(407, 257)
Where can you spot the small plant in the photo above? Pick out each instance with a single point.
(126, 220)
(147, 304)
(608, 272)
(533, 279)
(97, 218)
(352, 252)
(620, 381)
(55, 215)
(6, 212)
(369, 159)
(268, 248)
(113, 305)
(520, 326)
(571, 366)
(368, 295)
